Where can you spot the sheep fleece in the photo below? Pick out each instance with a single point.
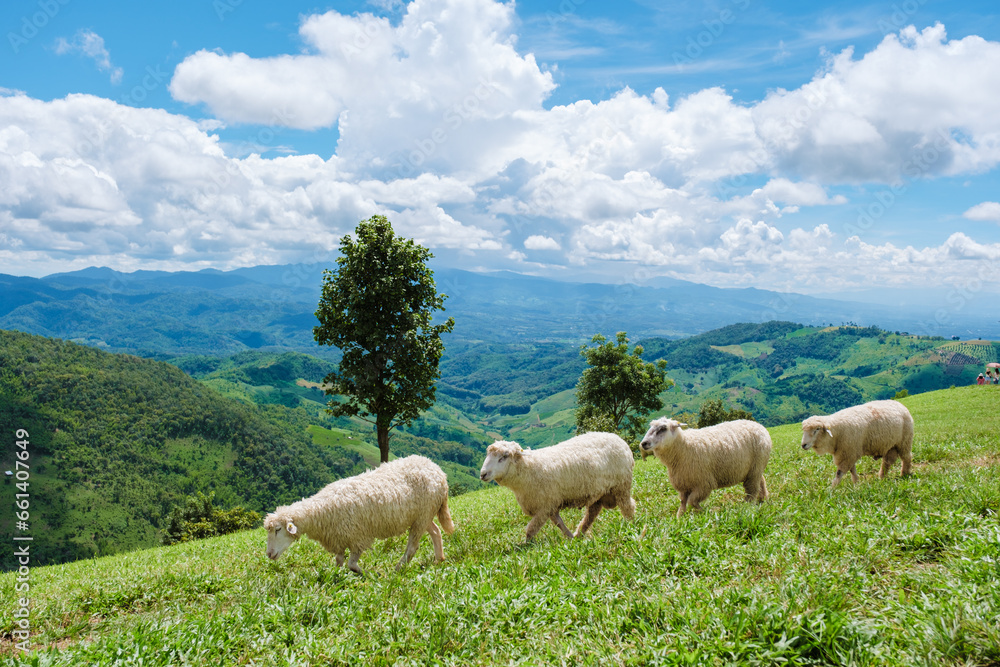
(871, 429)
(718, 456)
(575, 473)
(352, 513)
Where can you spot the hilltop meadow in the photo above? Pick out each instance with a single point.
(884, 572)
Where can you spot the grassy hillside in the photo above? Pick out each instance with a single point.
(891, 572)
(117, 440)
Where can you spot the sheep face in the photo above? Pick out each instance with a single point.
(817, 436)
(661, 431)
(281, 533)
(500, 456)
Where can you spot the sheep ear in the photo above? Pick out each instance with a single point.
(291, 528)
(828, 432)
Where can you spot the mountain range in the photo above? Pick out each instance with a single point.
(271, 307)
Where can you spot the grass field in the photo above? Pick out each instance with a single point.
(885, 572)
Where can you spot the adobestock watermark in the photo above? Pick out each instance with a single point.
(32, 24)
(920, 163)
(22, 539)
(257, 142)
(565, 11)
(776, 137)
(101, 127)
(364, 36)
(407, 164)
(901, 16)
(223, 8)
(964, 294)
(713, 29)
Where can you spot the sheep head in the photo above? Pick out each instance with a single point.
(281, 533)
(500, 457)
(661, 431)
(817, 435)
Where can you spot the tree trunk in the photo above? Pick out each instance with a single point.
(382, 433)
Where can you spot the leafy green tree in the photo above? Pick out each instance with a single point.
(198, 518)
(715, 412)
(377, 307)
(619, 389)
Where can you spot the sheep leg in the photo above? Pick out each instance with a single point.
(752, 485)
(556, 519)
(887, 462)
(907, 461)
(352, 562)
(696, 496)
(411, 546)
(588, 519)
(435, 533)
(684, 502)
(840, 475)
(854, 473)
(626, 504)
(340, 559)
(535, 525)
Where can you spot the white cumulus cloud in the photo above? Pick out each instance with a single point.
(443, 126)
(988, 211)
(538, 242)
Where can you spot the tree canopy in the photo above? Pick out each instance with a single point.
(619, 389)
(377, 307)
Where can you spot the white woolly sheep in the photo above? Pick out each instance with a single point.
(700, 460)
(593, 470)
(879, 429)
(351, 513)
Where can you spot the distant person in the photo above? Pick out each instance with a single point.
(980, 379)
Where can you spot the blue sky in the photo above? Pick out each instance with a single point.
(813, 147)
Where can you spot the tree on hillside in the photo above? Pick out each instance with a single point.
(619, 389)
(715, 412)
(198, 518)
(377, 307)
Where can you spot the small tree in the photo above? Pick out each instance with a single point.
(619, 389)
(198, 518)
(715, 412)
(377, 307)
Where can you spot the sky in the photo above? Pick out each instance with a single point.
(829, 148)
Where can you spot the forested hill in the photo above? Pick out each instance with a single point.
(117, 440)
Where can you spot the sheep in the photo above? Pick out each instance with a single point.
(351, 513)
(592, 470)
(704, 459)
(880, 429)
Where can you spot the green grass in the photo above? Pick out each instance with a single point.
(885, 572)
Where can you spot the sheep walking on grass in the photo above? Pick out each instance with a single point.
(593, 470)
(879, 429)
(701, 460)
(350, 514)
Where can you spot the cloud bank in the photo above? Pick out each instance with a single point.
(443, 126)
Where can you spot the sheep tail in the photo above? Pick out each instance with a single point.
(444, 518)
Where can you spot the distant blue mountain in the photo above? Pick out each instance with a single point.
(271, 307)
